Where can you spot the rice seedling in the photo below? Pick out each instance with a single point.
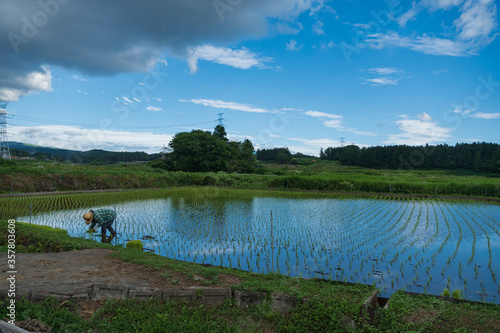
(386, 242)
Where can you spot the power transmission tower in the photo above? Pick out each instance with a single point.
(220, 119)
(342, 141)
(4, 142)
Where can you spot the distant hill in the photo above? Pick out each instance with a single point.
(96, 156)
(33, 149)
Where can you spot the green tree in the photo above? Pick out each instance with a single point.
(282, 158)
(198, 151)
(349, 155)
(494, 163)
(477, 163)
(247, 164)
(220, 132)
(242, 159)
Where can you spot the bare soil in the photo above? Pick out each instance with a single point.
(71, 273)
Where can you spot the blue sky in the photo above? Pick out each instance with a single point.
(123, 75)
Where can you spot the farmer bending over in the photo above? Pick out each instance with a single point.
(103, 218)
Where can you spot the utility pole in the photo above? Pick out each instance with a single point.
(220, 119)
(342, 141)
(4, 142)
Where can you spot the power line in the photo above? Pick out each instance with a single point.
(58, 122)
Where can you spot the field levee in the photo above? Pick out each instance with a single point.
(60, 177)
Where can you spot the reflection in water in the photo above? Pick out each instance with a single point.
(418, 245)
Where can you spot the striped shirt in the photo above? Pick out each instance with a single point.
(102, 216)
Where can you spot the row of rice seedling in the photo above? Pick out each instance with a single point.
(420, 245)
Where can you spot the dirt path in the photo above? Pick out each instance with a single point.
(74, 273)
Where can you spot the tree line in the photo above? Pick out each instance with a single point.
(478, 157)
(96, 156)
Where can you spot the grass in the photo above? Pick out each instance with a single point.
(36, 176)
(327, 304)
(424, 313)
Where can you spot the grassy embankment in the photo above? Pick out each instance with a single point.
(33, 176)
(327, 302)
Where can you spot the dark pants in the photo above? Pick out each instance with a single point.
(107, 226)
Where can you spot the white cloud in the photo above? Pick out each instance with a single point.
(33, 82)
(355, 131)
(318, 114)
(483, 115)
(329, 120)
(418, 131)
(335, 121)
(318, 28)
(292, 45)
(76, 77)
(127, 100)
(391, 76)
(76, 138)
(218, 104)
(242, 58)
(328, 45)
(478, 19)
(459, 109)
(383, 81)
(408, 16)
(154, 108)
(385, 70)
(313, 146)
(425, 117)
(474, 28)
(422, 44)
(442, 4)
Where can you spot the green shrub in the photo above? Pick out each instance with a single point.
(446, 292)
(456, 294)
(209, 180)
(135, 244)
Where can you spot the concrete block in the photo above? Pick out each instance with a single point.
(144, 292)
(38, 297)
(112, 291)
(348, 323)
(215, 296)
(179, 295)
(282, 303)
(370, 307)
(80, 297)
(245, 299)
